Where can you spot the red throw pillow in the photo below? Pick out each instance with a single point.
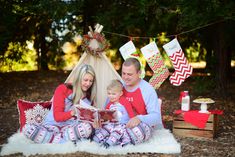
(32, 112)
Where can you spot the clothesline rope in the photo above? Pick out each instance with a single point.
(168, 36)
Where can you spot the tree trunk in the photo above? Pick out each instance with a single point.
(222, 60)
(44, 50)
(229, 52)
(209, 60)
(207, 40)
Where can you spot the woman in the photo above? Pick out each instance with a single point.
(61, 125)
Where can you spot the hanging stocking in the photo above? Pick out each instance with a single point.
(156, 63)
(128, 50)
(182, 68)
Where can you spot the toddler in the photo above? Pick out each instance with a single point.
(115, 134)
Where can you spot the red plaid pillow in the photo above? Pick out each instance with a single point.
(32, 112)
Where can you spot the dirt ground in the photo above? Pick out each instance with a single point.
(39, 86)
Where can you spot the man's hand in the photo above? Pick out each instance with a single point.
(133, 122)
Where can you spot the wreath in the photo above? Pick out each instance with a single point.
(94, 43)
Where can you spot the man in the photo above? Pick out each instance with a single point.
(144, 101)
(141, 94)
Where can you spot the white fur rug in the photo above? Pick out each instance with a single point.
(162, 142)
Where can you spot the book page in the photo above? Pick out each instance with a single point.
(107, 116)
(85, 104)
(87, 114)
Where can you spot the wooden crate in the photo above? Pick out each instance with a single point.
(184, 129)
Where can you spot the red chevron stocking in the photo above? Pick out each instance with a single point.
(182, 68)
(156, 63)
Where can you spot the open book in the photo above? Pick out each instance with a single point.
(91, 114)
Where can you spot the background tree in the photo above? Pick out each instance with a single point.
(49, 24)
(217, 38)
(44, 22)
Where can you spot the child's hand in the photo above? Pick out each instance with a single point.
(96, 124)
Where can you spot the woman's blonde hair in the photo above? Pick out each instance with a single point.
(77, 90)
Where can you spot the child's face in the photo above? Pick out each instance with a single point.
(114, 95)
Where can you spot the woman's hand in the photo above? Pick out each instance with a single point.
(74, 112)
(133, 122)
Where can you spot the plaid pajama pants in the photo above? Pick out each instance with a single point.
(118, 134)
(55, 134)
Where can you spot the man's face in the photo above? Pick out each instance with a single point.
(130, 75)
